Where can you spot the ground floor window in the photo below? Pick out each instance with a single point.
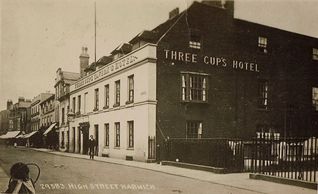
(62, 140)
(194, 129)
(106, 134)
(117, 134)
(130, 134)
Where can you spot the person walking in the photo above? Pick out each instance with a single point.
(91, 146)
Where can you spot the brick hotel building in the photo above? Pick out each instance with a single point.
(200, 74)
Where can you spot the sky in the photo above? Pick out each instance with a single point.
(39, 36)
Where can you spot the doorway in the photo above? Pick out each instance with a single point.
(96, 137)
(85, 141)
(79, 139)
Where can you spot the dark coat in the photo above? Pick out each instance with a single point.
(91, 143)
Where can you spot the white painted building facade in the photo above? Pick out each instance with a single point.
(117, 103)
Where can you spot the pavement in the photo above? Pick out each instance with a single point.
(235, 180)
(4, 178)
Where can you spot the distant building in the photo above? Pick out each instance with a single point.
(36, 110)
(4, 118)
(63, 81)
(19, 116)
(4, 121)
(48, 122)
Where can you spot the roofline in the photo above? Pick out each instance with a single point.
(275, 28)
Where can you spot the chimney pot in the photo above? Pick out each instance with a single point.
(173, 13)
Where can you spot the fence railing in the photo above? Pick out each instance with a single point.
(293, 158)
(216, 152)
(151, 147)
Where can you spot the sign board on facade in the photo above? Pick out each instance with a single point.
(216, 61)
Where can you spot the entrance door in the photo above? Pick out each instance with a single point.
(74, 140)
(96, 136)
(79, 140)
(85, 141)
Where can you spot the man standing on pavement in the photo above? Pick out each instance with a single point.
(91, 146)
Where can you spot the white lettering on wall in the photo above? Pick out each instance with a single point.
(211, 60)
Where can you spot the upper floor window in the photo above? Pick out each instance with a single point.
(194, 87)
(85, 101)
(263, 90)
(79, 103)
(63, 115)
(195, 41)
(73, 104)
(131, 89)
(315, 54)
(96, 99)
(106, 96)
(193, 129)
(117, 93)
(315, 98)
(262, 44)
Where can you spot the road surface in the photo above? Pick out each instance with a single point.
(61, 174)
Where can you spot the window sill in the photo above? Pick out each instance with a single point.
(194, 101)
(106, 107)
(129, 102)
(116, 105)
(130, 148)
(263, 109)
(117, 148)
(95, 109)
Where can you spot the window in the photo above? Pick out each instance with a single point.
(106, 134)
(195, 41)
(131, 89)
(63, 112)
(11, 124)
(79, 104)
(96, 99)
(263, 94)
(315, 98)
(106, 96)
(130, 134)
(194, 87)
(73, 105)
(315, 54)
(117, 93)
(117, 134)
(262, 44)
(193, 129)
(85, 101)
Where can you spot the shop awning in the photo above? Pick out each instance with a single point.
(29, 134)
(49, 129)
(20, 136)
(10, 134)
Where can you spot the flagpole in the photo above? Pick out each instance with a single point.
(95, 29)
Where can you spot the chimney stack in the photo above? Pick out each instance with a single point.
(9, 104)
(21, 99)
(84, 61)
(173, 13)
(228, 5)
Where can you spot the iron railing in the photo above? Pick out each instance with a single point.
(151, 147)
(293, 158)
(214, 152)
